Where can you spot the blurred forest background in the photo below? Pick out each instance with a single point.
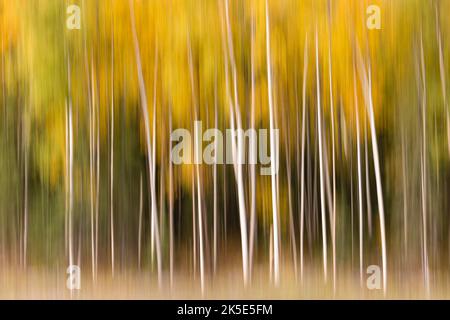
(86, 117)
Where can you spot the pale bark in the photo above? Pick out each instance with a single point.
(252, 154)
(333, 153)
(302, 174)
(365, 77)
(426, 272)
(237, 150)
(215, 204)
(141, 205)
(197, 151)
(276, 254)
(360, 200)
(321, 169)
(144, 108)
(171, 200)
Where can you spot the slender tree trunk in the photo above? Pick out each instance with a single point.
(194, 223)
(238, 152)
(367, 92)
(366, 161)
(333, 154)
(70, 172)
(152, 221)
(273, 150)
(321, 170)
(91, 154)
(289, 184)
(144, 107)
(197, 156)
(25, 199)
(96, 166)
(252, 154)
(424, 178)
(97, 194)
(70, 166)
(405, 198)
(171, 204)
(360, 200)
(215, 205)
(200, 229)
(141, 207)
(91, 187)
(66, 183)
(302, 172)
